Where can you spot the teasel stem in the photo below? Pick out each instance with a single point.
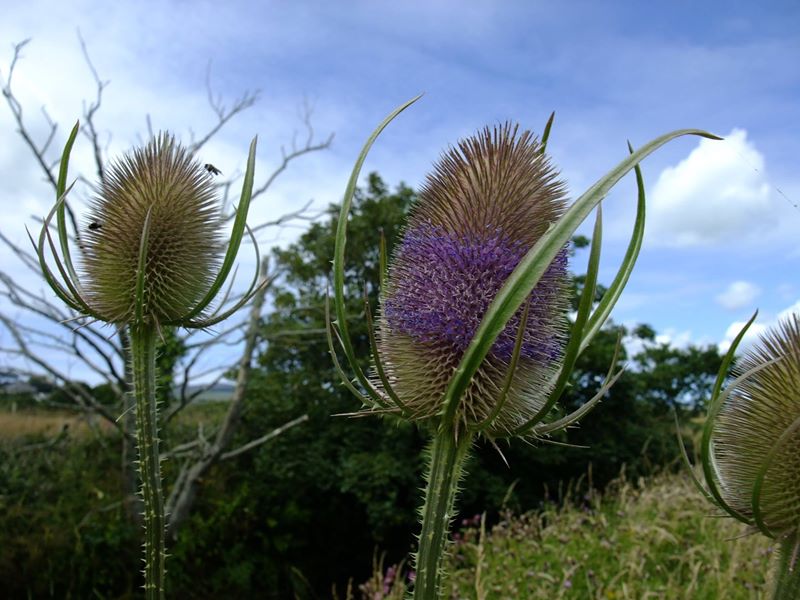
(143, 351)
(786, 576)
(447, 456)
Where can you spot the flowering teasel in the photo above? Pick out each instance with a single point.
(750, 448)
(472, 337)
(485, 205)
(151, 257)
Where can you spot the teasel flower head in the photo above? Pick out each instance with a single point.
(751, 445)
(482, 209)
(473, 334)
(152, 249)
(160, 183)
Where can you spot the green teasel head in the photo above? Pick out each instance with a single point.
(751, 438)
(750, 448)
(152, 251)
(472, 335)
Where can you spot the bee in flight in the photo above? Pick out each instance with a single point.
(212, 169)
(94, 226)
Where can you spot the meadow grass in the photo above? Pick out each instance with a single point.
(22, 423)
(655, 539)
(48, 423)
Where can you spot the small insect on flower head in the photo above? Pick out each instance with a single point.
(160, 185)
(484, 206)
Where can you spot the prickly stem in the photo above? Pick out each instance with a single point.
(447, 456)
(786, 574)
(143, 351)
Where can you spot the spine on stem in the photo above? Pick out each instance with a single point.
(447, 456)
(786, 576)
(143, 350)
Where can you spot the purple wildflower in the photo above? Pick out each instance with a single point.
(483, 208)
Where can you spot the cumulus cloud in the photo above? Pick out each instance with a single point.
(718, 193)
(756, 329)
(739, 294)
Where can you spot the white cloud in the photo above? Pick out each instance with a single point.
(718, 193)
(756, 329)
(739, 294)
(793, 309)
(673, 337)
(670, 336)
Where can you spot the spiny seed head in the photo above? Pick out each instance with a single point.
(484, 206)
(183, 246)
(759, 426)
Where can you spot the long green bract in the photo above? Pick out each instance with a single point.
(61, 186)
(237, 233)
(341, 243)
(614, 291)
(713, 409)
(572, 351)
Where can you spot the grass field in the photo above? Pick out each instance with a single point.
(654, 540)
(49, 423)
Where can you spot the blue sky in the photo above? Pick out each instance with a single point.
(723, 234)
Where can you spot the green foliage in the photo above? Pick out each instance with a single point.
(649, 540)
(310, 508)
(65, 532)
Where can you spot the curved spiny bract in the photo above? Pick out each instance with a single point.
(756, 438)
(484, 206)
(184, 239)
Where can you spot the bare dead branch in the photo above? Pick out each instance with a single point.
(296, 151)
(25, 257)
(263, 439)
(182, 495)
(76, 393)
(300, 214)
(223, 114)
(17, 112)
(90, 110)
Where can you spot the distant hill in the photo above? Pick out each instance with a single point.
(220, 392)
